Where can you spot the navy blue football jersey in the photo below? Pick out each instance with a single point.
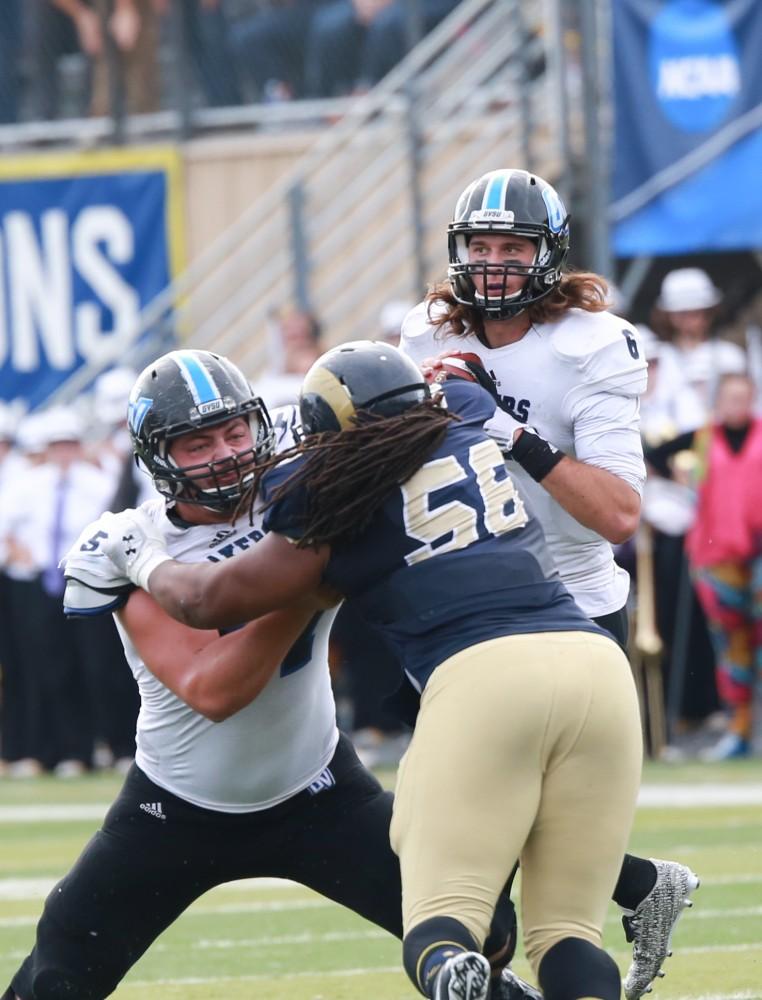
(453, 557)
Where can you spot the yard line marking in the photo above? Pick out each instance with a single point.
(695, 796)
(53, 813)
(38, 888)
(650, 796)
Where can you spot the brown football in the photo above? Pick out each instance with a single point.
(455, 364)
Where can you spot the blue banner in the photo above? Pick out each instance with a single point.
(688, 126)
(86, 242)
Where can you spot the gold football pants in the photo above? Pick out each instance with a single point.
(526, 747)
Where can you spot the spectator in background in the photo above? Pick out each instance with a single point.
(19, 728)
(694, 355)
(9, 725)
(295, 343)
(270, 47)
(669, 508)
(111, 448)
(390, 320)
(42, 514)
(119, 36)
(724, 547)
(354, 43)
(52, 35)
(204, 35)
(10, 57)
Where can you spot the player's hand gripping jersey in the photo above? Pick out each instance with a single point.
(453, 557)
(577, 382)
(274, 747)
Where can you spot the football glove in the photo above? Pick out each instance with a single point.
(134, 545)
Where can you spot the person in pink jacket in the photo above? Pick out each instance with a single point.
(724, 547)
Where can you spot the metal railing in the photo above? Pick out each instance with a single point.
(361, 218)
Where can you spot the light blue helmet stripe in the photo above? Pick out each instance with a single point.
(197, 378)
(494, 196)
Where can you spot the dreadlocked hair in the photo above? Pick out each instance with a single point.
(576, 290)
(346, 475)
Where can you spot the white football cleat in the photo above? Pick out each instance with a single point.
(649, 927)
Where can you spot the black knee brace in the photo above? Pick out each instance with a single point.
(574, 968)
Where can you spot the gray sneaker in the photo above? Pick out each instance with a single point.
(650, 926)
(465, 976)
(510, 987)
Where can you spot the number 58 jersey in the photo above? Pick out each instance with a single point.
(453, 556)
(577, 381)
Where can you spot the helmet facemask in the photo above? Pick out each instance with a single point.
(542, 274)
(226, 480)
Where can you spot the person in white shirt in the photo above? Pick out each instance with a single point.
(693, 358)
(43, 510)
(566, 376)
(240, 770)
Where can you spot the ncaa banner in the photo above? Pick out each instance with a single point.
(687, 162)
(87, 240)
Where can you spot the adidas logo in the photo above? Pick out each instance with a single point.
(221, 535)
(324, 780)
(153, 809)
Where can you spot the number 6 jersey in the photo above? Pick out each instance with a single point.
(577, 381)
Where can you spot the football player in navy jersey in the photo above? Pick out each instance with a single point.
(240, 770)
(528, 730)
(566, 375)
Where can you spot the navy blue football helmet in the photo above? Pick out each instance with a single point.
(360, 375)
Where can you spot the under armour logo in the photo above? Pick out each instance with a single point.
(128, 538)
(130, 552)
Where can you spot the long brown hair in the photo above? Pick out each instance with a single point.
(346, 475)
(576, 290)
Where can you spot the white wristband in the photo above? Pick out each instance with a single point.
(141, 569)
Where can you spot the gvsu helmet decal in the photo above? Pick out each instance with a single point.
(508, 202)
(186, 391)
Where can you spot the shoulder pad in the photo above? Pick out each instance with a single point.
(417, 321)
(605, 349)
(82, 601)
(286, 426)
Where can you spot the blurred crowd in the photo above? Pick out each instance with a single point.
(68, 58)
(68, 702)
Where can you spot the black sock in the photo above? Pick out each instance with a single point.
(636, 879)
(574, 968)
(428, 946)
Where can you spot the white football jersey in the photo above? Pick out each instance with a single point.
(577, 381)
(273, 748)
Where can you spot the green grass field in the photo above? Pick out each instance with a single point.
(280, 942)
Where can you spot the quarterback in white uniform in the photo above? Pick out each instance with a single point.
(566, 376)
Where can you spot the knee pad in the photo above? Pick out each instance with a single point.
(574, 968)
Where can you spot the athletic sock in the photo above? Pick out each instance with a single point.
(637, 878)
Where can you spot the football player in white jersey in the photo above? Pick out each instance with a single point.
(240, 770)
(566, 376)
